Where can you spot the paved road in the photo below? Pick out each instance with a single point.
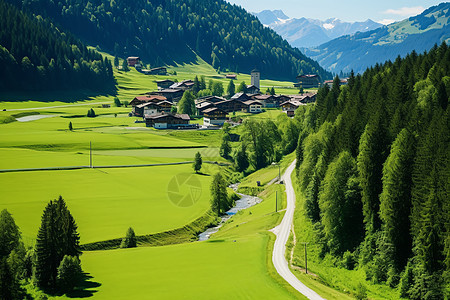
(282, 232)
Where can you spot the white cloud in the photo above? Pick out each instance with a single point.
(405, 11)
(386, 21)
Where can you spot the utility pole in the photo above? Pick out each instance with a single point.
(276, 201)
(90, 154)
(279, 176)
(306, 260)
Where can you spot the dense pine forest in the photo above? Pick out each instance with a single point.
(164, 31)
(36, 56)
(373, 164)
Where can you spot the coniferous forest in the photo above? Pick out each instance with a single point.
(164, 31)
(373, 164)
(36, 56)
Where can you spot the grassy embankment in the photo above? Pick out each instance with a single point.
(106, 202)
(344, 282)
(234, 264)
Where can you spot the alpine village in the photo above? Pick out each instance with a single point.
(219, 149)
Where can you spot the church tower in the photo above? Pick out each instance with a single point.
(255, 76)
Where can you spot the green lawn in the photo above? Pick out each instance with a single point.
(234, 264)
(201, 270)
(105, 202)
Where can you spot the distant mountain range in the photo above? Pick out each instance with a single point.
(364, 49)
(305, 32)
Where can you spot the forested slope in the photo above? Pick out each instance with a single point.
(36, 56)
(164, 31)
(374, 166)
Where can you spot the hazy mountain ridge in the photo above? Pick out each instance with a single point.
(305, 32)
(364, 49)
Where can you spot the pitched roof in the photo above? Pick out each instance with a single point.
(307, 76)
(141, 98)
(293, 102)
(263, 97)
(240, 96)
(183, 116)
(252, 102)
(170, 91)
(163, 115)
(209, 110)
(164, 102)
(148, 104)
(203, 104)
(212, 99)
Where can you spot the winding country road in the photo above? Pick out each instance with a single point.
(282, 232)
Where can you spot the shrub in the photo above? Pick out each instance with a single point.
(348, 260)
(361, 292)
(69, 273)
(91, 113)
(129, 241)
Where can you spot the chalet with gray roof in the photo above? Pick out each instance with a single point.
(183, 85)
(253, 106)
(137, 102)
(164, 84)
(241, 97)
(214, 116)
(167, 121)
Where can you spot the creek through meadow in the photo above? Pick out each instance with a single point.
(244, 202)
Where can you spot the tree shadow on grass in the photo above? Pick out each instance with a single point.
(86, 288)
(202, 174)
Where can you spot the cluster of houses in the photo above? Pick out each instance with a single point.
(157, 108)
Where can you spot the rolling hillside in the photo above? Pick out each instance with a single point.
(169, 31)
(361, 50)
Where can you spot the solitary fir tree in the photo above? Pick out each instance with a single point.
(219, 196)
(57, 237)
(197, 165)
(129, 241)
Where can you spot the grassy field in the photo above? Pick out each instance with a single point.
(105, 202)
(234, 264)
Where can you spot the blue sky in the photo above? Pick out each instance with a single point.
(384, 11)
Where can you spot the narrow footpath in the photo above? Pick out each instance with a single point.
(282, 232)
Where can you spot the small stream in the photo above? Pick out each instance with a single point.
(34, 118)
(246, 201)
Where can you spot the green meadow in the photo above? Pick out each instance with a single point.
(105, 202)
(234, 263)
